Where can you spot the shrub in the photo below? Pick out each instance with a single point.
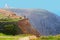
(10, 29)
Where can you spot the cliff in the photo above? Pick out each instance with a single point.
(27, 28)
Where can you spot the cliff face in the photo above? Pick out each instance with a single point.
(26, 27)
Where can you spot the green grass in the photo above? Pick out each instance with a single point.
(57, 37)
(10, 37)
(7, 19)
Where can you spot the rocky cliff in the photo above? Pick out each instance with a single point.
(27, 28)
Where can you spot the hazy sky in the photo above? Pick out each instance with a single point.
(50, 5)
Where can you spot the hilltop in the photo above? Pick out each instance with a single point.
(7, 15)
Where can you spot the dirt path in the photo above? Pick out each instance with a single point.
(21, 38)
(28, 38)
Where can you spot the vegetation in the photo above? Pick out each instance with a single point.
(10, 37)
(1, 16)
(57, 37)
(9, 25)
(10, 28)
(8, 20)
(4, 18)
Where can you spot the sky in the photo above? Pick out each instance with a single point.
(50, 5)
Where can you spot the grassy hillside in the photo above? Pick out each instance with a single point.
(7, 19)
(1, 16)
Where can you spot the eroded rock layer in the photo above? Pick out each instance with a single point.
(26, 27)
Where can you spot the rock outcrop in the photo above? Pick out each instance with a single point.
(27, 28)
